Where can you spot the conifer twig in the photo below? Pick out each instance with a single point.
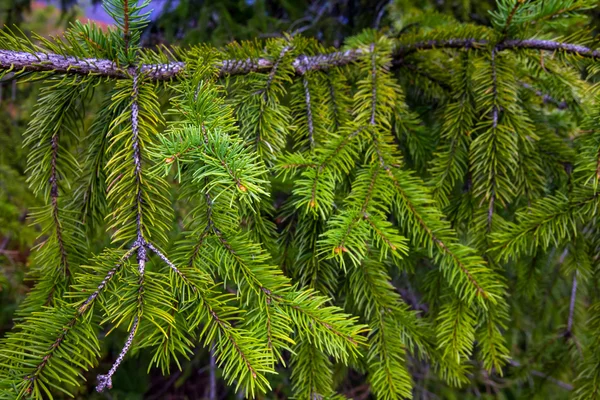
(542, 375)
(54, 201)
(546, 98)
(495, 112)
(105, 381)
(212, 389)
(309, 116)
(572, 305)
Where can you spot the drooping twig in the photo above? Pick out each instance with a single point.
(546, 98)
(542, 375)
(572, 305)
(495, 112)
(137, 157)
(313, 20)
(105, 381)
(54, 201)
(212, 371)
(309, 115)
(373, 82)
(107, 278)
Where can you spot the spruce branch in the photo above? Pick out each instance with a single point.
(22, 61)
(373, 83)
(354, 197)
(274, 68)
(92, 297)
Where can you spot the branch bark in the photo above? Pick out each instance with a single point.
(24, 61)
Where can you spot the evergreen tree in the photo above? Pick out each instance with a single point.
(415, 211)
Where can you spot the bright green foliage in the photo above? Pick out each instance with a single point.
(416, 218)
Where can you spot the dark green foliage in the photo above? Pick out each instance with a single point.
(420, 219)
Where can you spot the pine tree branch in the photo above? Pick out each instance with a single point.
(517, 5)
(273, 70)
(126, 25)
(361, 215)
(39, 61)
(83, 307)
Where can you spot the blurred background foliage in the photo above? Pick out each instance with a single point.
(180, 22)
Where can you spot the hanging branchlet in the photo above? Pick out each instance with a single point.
(52, 137)
(495, 115)
(265, 120)
(105, 381)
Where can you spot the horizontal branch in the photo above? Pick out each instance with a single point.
(24, 61)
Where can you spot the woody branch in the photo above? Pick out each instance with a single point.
(24, 61)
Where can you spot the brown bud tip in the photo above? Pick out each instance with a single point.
(312, 204)
(340, 249)
(169, 160)
(242, 187)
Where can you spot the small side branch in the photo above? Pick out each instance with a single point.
(165, 260)
(309, 116)
(106, 279)
(373, 82)
(563, 385)
(546, 98)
